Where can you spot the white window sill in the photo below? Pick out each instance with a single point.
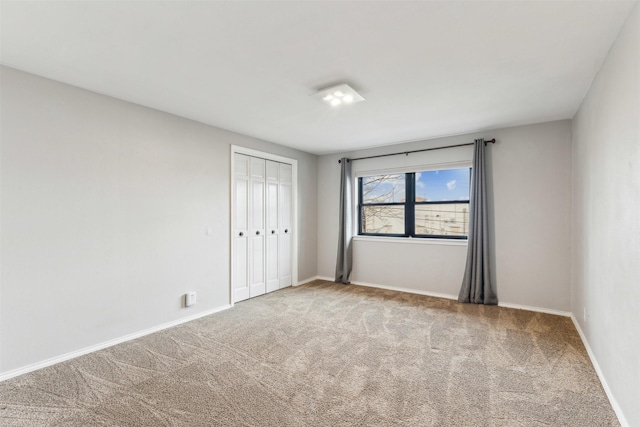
(412, 241)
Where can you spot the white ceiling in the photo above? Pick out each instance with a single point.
(427, 69)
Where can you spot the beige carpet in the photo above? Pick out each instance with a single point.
(327, 355)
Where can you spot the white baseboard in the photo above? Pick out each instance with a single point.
(537, 309)
(310, 279)
(451, 297)
(105, 344)
(408, 290)
(614, 403)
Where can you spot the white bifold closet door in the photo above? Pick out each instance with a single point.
(273, 231)
(240, 208)
(262, 226)
(256, 227)
(284, 224)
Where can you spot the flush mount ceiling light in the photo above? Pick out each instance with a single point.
(339, 95)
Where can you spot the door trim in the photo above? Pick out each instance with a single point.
(236, 149)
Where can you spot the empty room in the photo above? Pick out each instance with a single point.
(320, 213)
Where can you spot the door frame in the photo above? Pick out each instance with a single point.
(236, 149)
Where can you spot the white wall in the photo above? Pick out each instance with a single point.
(530, 188)
(105, 207)
(606, 219)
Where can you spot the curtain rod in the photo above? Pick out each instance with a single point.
(406, 153)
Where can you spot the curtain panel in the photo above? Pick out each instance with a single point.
(477, 286)
(345, 226)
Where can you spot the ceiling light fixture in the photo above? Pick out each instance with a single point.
(339, 95)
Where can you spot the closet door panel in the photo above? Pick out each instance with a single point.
(273, 278)
(284, 221)
(240, 232)
(256, 268)
(257, 228)
(273, 170)
(285, 260)
(272, 206)
(285, 173)
(241, 211)
(240, 270)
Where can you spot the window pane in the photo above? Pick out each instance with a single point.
(451, 219)
(442, 185)
(383, 219)
(383, 189)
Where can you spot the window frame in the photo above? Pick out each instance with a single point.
(409, 205)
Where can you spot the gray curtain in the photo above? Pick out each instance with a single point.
(343, 263)
(477, 287)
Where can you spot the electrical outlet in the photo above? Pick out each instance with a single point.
(190, 299)
(584, 313)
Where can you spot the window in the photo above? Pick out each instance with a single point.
(431, 204)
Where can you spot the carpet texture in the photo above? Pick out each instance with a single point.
(325, 354)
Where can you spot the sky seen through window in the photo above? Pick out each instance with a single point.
(431, 186)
